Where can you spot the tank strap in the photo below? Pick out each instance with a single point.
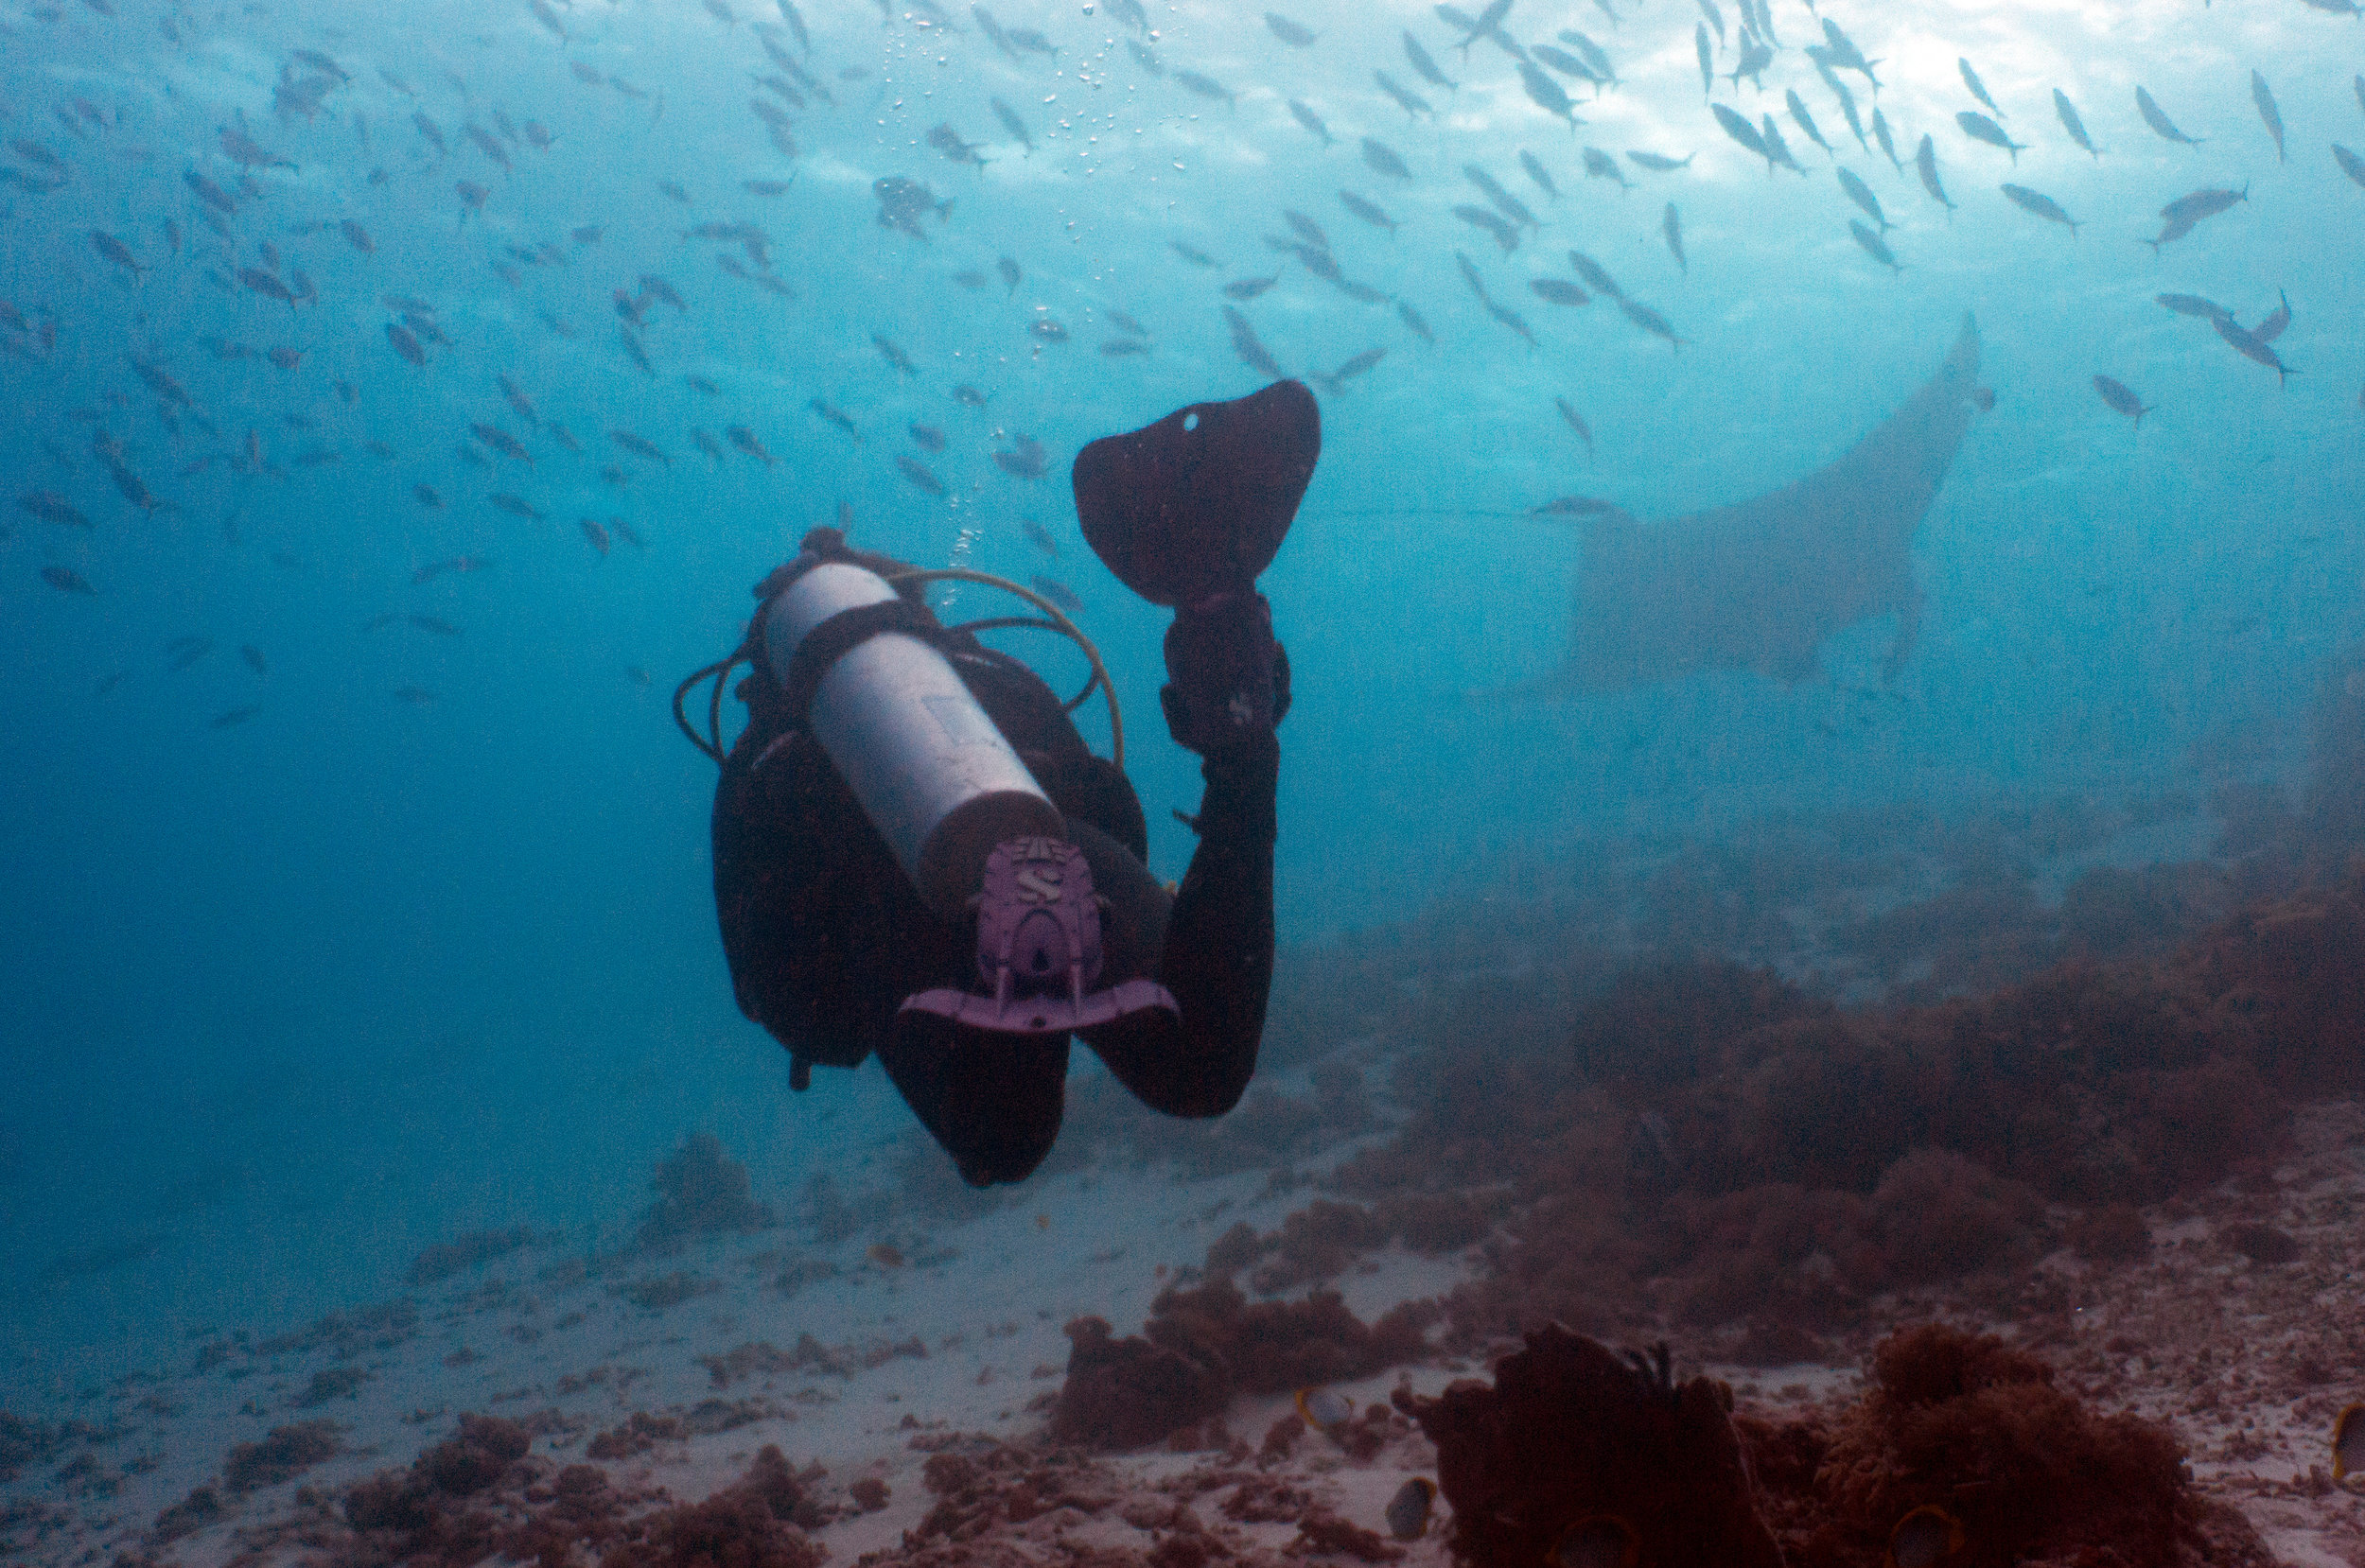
(840, 636)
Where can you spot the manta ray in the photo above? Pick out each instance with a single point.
(1760, 585)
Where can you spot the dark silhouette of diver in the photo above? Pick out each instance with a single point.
(916, 855)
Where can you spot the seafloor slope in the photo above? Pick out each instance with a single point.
(911, 1373)
(2120, 1129)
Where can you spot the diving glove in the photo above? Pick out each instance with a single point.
(1228, 679)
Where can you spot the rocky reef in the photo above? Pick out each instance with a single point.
(1959, 1451)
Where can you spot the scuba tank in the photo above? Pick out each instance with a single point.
(964, 817)
(933, 774)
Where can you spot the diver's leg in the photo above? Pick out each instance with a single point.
(1134, 904)
(823, 933)
(992, 1100)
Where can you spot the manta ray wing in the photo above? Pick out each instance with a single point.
(1762, 584)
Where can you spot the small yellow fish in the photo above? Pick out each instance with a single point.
(1325, 1409)
(1925, 1538)
(1408, 1511)
(1599, 1540)
(2348, 1443)
(1042, 1222)
(886, 1256)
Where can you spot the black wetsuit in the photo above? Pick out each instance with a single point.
(826, 935)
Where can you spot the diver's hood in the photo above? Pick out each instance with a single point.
(1198, 504)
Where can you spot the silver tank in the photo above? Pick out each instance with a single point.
(932, 772)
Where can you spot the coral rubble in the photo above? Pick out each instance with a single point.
(25, 1441)
(1962, 1426)
(284, 1453)
(1712, 1147)
(1956, 1432)
(752, 1524)
(1570, 1433)
(1206, 1343)
(476, 1248)
(479, 1494)
(700, 1192)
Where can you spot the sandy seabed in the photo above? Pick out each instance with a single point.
(908, 1381)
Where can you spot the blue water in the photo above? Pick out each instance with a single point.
(287, 1001)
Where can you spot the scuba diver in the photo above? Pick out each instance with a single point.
(916, 855)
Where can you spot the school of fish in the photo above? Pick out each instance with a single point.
(176, 216)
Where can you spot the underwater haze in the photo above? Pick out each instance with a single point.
(405, 398)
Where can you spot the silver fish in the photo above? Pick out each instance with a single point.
(1978, 88)
(2249, 345)
(1427, 67)
(1601, 165)
(1293, 34)
(1888, 148)
(1383, 159)
(1755, 57)
(1356, 366)
(1506, 204)
(1740, 130)
(1207, 87)
(2271, 327)
(2042, 205)
(1411, 102)
(2193, 305)
(2158, 121)
(1594, 55)
(1576, 422)
(1847, 108)
(1573, 506)
(1805, 121)
(1249, 346)
(1653, 322)
(1536, 172)
(2264, 97)
(1596, 276)
(1926, 163)
(1874, 246)
(2071, 123)
(2122, 399)
(1861, 193)
(1011, 123)
(1369, 211)
(1981, 129)
(1547, 94)
(1505, 234)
